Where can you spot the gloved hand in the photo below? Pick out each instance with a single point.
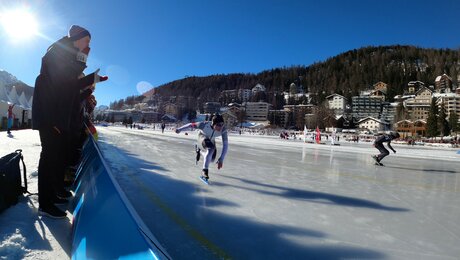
(394, 151)
(98, 78)
(220, 164)
(177, 131)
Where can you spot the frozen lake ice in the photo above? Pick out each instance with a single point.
(287, 199)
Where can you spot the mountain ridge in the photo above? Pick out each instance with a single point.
(9, 80)
(346, 73)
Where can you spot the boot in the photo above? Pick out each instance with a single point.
(205, 174)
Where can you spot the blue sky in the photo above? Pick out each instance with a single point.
(149, 43)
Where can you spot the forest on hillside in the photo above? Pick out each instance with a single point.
(345, 74)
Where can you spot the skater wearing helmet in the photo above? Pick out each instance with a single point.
(378, 143)
(206, 143)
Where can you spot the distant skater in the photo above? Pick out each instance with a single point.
(206, 143)
(385, 138)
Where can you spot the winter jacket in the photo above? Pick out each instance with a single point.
(57, 87)
(383, 138)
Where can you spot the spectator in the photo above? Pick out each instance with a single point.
(57, 90)
(11, 116)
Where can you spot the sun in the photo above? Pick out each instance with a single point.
(19, 24)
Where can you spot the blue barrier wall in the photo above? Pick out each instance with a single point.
(105, 226)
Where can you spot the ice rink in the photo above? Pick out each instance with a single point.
(284, 199)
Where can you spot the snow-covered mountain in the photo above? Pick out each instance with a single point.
(102, 107)
(6, 78)
(8, 81)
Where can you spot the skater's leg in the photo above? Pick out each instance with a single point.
(198, 153)
(213, 158)
(199, 148)
(9, 125)
(207, 159)
(383, 152)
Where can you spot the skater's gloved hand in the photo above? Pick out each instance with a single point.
(394, 151)
(220, 164)
(177, 131)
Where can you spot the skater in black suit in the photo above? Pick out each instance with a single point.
(378, 143)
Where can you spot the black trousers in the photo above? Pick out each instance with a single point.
(51, 166)
(383, 151)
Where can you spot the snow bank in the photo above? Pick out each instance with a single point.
(23, 233)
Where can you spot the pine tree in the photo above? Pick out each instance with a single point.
(432, 120)
(443, 124)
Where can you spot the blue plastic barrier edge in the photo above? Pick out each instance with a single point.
(142, 228)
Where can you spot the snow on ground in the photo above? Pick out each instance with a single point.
(23, 233)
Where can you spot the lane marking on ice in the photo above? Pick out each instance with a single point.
(195, 234)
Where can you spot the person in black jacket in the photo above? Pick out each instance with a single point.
(378, 143)
(77, 134)
(57, 91)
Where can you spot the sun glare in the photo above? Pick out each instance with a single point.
(19, 24)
